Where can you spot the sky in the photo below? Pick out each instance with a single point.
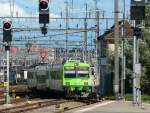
(23, 8)
(26, 7)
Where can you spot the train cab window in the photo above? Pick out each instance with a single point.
(83, 75)
(70, 75)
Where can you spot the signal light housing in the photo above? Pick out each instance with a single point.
(137, 9)
(44, 4)
(43, 11)
(7, 25)
(7, 31)
(137, 32)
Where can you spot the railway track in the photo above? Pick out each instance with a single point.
(21, 108)
(21, 105)
(83, 101)
(29, 107)
(16, 101)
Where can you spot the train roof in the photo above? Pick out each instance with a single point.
(76, 63)
(55, 65)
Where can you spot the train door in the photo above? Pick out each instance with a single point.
(48, 78)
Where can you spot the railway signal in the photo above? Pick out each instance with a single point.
(7, 38)
(137, 32)
(7, 31)
(44, 30)
(43, 11)
(137, 13)
(137, 9)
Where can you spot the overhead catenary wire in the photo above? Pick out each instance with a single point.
(12, 6)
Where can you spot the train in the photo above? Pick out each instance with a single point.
(74, 78)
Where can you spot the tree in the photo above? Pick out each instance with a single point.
(145, 61)
(144, 58)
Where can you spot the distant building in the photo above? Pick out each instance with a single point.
(106, 52)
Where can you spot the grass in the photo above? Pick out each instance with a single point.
(128, 97)
(145, 98)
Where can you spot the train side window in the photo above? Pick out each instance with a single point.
(41, 79)
(30, 75)
(52, 75)
(55, 75)
(47, 75)
(59, 75)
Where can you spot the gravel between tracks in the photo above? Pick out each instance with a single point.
(57, 109)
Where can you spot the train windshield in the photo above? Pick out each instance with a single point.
(69, 72)
(83, 72)
(70, 75)
(83, 75)
(79, 72)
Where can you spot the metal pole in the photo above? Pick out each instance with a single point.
(138, 74)
(66, 27)
(7, 81)
(85, 36)
(85, 40)
(97, 66)
(116, 39)
(123, 55)
(122, 71)
(134, 74)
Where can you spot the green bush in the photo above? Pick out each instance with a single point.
(145, 98)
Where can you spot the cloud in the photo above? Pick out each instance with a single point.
(18, 11)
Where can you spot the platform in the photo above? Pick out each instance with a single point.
(113, 107)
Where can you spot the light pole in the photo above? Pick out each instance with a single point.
(137, 14)
(123, 54)
(116, 59)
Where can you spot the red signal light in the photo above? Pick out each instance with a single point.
(7, 30)
(7, 26)
(44, 4)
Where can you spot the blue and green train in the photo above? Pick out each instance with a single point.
(71, 78)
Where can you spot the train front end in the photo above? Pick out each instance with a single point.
(77, 79)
